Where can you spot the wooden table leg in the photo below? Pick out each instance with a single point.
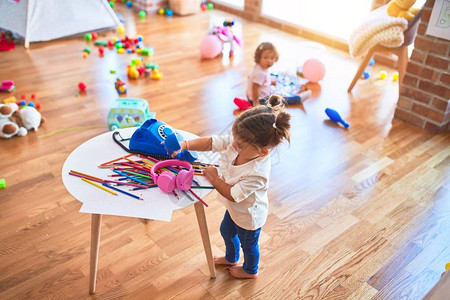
(201, 218)
(96, 223)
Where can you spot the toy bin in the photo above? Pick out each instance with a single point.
(128, 112)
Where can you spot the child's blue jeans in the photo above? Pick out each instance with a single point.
(234, 237)
(295, 99)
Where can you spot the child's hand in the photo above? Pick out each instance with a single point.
(183, 147)
(211, 174)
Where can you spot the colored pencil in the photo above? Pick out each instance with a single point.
(114, 160)
(85, 175)
(202, 187)
(144, 188)
(108, 181)
(122, 191)
(189, 196)
(137, 174)
(137, 163)
(99, 186)
(199, 199)
(132, 178)
(137, 168)
(125, 183)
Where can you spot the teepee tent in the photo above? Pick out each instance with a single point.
(44, 20)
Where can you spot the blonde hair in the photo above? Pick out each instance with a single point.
(264, 126)
(263, 47)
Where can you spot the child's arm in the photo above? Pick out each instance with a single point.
(255, 92)
(199, 144)
(221, 186)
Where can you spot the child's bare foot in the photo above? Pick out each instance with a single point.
(238, 272)
(222, 261)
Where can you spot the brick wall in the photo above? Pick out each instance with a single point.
(424, 99)
(150, 5)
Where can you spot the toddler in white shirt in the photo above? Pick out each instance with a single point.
(244, 179)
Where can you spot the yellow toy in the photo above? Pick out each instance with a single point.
(402, 9)
(132, 72)
(156, 74)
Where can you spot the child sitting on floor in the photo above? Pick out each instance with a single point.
(258, 85)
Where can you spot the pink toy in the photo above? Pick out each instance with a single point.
(211, 46)
(7, 86)
(167, 181)
(313, 70)
(226, 35)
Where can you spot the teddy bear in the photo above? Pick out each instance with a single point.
(17, 122)
(402, 9)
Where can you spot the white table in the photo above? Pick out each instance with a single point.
(156, 204)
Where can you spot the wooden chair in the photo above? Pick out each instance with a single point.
(401, 52)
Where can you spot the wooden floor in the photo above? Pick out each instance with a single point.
(362, 213)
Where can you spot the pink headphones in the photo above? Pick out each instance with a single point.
(167, 181)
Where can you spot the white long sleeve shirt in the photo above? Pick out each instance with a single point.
(249, 182)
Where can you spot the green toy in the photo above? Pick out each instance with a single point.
(128, 112)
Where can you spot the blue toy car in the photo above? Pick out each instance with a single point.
(128, 112)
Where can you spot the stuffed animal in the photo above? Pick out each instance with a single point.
(8, 123)
(402, 9)
(17, 122)
(30, 118)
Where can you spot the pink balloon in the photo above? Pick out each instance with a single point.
(313, 70)
(211, 46)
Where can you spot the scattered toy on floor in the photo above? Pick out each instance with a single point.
(6, 45)
(2, 183)
(128, 112)
(210, 47)
(313, 70)
(395, 76)
(335, 117)
(7, 86)
(15, 121)
(82, 86)
(120, 86)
